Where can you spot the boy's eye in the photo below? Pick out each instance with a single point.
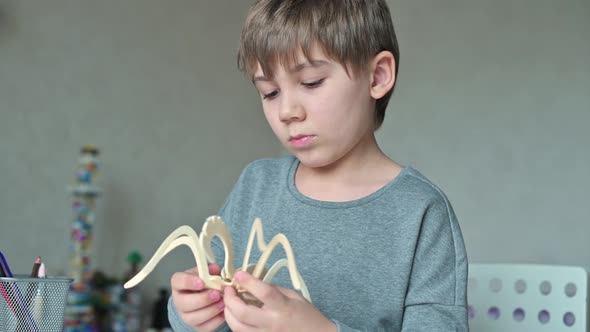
(270, 95)
(313, 84)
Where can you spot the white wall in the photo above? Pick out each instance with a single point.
(493, 104)
(154, 84)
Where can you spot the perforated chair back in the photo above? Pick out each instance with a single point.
(524, 297)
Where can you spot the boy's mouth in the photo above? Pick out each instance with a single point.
(300, 141)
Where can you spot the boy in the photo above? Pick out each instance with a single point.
(377, 244)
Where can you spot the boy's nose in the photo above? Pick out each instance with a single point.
(291, 110)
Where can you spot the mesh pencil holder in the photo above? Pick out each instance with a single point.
(33, 304)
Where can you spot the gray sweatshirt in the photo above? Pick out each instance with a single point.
(391, 261)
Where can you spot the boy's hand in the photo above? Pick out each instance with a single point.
(199, 307)
(282, 310)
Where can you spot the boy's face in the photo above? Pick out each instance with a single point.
(316, 110)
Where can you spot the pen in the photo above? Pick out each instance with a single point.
(5, 267)
(3, 291)
(42, 271)
(7, 298)
(2, 272)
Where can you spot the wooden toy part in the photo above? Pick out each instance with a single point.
(266, 251)
(201, 249)
(183, 235)
(215, 227)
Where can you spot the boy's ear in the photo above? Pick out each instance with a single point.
(382, 74)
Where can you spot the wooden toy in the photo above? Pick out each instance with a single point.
(201, 249)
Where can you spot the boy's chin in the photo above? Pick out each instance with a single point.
(312, 161)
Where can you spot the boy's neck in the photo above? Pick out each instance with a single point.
(360, 173)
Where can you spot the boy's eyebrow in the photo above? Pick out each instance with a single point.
(296, 68)
(310, 63)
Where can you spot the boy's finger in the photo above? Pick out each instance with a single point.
(188, 303)
(239, 312)
(186, 281)
(189, 280)
(213, 323)
(292, 294)
(214, 269)
(266, 293)
(235, 324)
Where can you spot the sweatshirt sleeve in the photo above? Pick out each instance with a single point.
(178, 325)
(436, 297)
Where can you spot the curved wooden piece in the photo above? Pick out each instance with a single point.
(201, 249)
(214, 226)
(274, 269)
(182, 235)
(267, 250)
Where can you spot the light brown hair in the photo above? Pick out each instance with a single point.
(350, 32)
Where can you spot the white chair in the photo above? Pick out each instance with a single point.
(523, 297)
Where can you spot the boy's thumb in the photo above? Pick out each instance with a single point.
(214, 269)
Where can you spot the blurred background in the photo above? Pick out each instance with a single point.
(492, 104)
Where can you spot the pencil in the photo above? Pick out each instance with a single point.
(38, 297)
(36, 265)
(32, 286)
